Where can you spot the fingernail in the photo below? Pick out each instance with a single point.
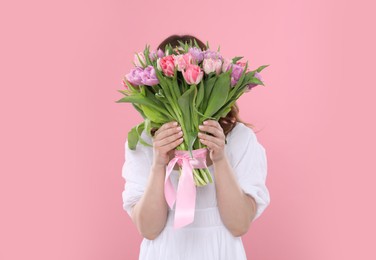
(175, 123)
(200, 126)
(205, 122)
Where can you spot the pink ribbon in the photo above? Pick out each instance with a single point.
(186, 192)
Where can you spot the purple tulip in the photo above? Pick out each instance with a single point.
(236, 73)
(258, 76)
(197, 54)
(148, 77)
(134, 76)
(160, 53)
(152, 55)
(209, 54)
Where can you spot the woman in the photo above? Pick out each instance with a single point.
(224, 208)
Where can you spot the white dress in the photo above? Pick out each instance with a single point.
(206, 237)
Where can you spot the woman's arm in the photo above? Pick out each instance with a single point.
(150, 213)
(237, 209)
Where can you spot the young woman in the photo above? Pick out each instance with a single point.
(224, 208)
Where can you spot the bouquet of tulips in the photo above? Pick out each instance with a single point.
(188, 85)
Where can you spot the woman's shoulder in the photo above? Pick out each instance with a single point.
(240, 134)
(140, 146)
(241, 141)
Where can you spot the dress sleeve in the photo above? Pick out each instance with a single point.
(135, 172)
(250, 167)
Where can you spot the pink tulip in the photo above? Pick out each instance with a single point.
(210, 65)
(193, 74)
(136, 60)
(183, 60)
(243, 65)
(167, 65)
(227, 63)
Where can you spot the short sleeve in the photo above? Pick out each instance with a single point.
(135, 172)
(250, 166)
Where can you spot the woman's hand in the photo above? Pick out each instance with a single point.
(166, 138)
(214, 142)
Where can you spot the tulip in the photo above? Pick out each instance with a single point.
(166, 65)
(182, 61)
(211, 65)
(148, 77)
(236, 73)
(134, 76)
(139, 60)
(252, 85)
(193, 74)
(197, 54)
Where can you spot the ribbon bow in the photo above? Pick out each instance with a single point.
(186, 192)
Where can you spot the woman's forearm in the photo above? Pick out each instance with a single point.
(150, 213)
(237, 209)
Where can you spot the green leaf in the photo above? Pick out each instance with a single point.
(142, 88)
(139, 99)
(234, 60)
(139, 128)
(132, 138)
(125, 91)
(255, 81)
(185, 103)
(165, 84)
(203, 117)
(194, 115)
(160, 94)
(200, 94)
(136, 106)
(222, 112)
(181, 43)
(146, 54)
(261, 68)
(161, 97)
(196, 44)
(154, 115)
(147, 124)
(191, 137)
(151, 96)
(208, 86)
(219, 94)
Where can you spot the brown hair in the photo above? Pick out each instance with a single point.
(228, 122)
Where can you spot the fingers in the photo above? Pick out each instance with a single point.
(210, 145)
(167, 132)
(213, 127)
(168, 136)
(165, 126)
(207, 139)
(173, 144)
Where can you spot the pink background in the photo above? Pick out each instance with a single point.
(62, 134)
